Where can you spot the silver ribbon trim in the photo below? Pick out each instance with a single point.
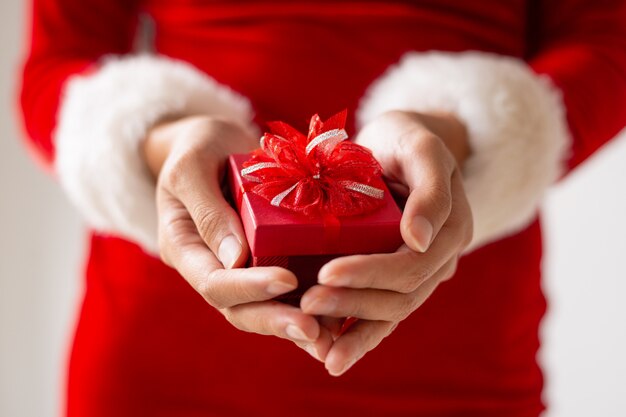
(335, 134)
(262, 140)
(256, 167)
(365, 189)
(281, 196)
(368, 190)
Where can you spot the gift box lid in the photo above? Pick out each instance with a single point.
(276, 231)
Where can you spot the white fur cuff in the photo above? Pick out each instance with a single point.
(515, 120)
(102, 121)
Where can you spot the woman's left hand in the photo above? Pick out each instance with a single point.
(420, 154)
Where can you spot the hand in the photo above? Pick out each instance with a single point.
(420, 155)
(201, 236)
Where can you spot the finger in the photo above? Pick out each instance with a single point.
(359, 339)
(183, 249)
(225, 288)
(370, 304)
(334, 325)
(420, 160)
(402, 271)
(274, 318)
(320, 347)
(405, 270)
(193, 176)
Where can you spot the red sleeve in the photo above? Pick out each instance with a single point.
(67, 37)
(581, 46)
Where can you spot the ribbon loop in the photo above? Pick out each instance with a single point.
(253, 168)
(333, 137)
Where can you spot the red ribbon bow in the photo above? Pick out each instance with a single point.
(321, 173)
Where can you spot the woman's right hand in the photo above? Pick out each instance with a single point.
(201, 236)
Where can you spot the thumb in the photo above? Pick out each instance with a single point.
(217, 222)
(413, 156)
(427, 170)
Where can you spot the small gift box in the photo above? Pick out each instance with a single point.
(304, 200)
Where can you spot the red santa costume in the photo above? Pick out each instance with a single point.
(540, 85)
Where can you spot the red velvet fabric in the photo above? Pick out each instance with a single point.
(146, 344)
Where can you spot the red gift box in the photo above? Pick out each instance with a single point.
(304, 243)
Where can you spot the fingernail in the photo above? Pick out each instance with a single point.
(422, 231)
(229, 251)
(344, 369)
(279, 287)
(296, 333)
(313, 352)
(334, 280)
(322, 305)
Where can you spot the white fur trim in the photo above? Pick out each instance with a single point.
(516, 124)
(103, 119)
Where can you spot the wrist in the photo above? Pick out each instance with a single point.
(158, 143)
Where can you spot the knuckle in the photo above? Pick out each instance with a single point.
(439, 196)
(426, 145)
(365, 340)
(421, 273)
(163, 248)
(429, 143)
(468, 236)
(462, 228)
(406, 306)
(371, 339)
(450, 269)
(422, 143)
(208, 221)
(206, 288)
(358, 308)
(175, 175)
(214, 302)
(164, 243)
(233, 319)
(370, 280)
(409, 285)
(164, 256)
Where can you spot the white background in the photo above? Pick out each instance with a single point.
(41, 243)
